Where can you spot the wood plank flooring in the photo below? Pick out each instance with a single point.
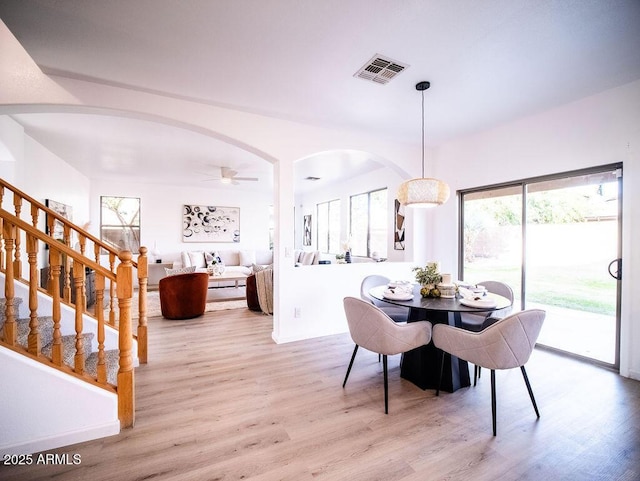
(219, 400)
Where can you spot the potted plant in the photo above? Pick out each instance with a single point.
(428, 277)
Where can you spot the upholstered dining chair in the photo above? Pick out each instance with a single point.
(505, 344)
(477, 322)
(397, 313)
(375, 331)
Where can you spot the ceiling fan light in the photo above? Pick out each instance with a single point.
(423, 192)
(225, 180)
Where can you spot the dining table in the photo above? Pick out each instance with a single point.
(421, 366)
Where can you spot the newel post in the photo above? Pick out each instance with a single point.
(124, 288)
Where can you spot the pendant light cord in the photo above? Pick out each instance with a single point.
(422, 134)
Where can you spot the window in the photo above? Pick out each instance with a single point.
(369, 221)
(553, 239)
(120, 222)
(329, 227)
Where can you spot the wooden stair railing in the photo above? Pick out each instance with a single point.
(15, 233)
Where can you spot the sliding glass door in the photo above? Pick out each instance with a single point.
(556, 241)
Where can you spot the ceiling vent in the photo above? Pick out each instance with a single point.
(380, 69)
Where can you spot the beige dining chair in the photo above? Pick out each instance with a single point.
(506, 344)
(375, 331)
(397, 313)
(477, 322)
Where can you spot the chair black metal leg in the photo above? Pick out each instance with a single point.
(526, 381)
(355, 350)
(493, 399)
(386, 384)
(475, 374)
(441, 371)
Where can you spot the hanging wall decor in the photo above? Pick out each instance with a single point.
(307, 230)
(62, 210)
(207, 223)
(398, 241)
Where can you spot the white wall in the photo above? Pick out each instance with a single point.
(40, 407)
(161, 209)
(377, 179)
(25, 171)
(598, 130)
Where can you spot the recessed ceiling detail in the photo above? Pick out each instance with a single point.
(380, 69)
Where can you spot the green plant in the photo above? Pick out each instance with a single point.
(428, 275)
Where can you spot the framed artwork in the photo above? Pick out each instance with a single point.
(62, 209)
(307, 230)
(208, 223)
(120, 222)
(398, 236)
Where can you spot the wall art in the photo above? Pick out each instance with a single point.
(61, 209)
(208, 223)
(307, 230)
(398, 240)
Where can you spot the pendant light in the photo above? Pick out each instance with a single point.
(423, 192)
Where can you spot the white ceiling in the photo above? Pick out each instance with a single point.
(489, 62)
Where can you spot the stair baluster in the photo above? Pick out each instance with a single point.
(33, 343)
(101, 369)
(79, 287)
(54, 289)
(10, 331)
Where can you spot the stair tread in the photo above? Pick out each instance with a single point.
(69, 347)
(111, 359)
(45, 327)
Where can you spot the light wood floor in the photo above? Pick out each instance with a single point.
(219, 400)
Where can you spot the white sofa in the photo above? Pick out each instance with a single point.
(235, 260)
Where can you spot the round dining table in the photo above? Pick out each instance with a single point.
(421, 366)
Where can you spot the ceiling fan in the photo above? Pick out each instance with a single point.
(229, 176)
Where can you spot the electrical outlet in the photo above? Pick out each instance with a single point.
(296, 312)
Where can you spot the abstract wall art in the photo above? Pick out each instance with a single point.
(398, 236)
(208, 223)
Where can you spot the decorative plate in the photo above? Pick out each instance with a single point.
(397, 296)
(478, 303)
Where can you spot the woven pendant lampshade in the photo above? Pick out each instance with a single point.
(423, 192)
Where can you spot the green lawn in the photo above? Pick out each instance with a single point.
(581, 289)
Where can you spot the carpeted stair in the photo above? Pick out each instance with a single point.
(45, 326)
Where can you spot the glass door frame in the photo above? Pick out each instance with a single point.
(522, 184)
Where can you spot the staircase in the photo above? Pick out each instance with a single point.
(45, 325)
(62, 366)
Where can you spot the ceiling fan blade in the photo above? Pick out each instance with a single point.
(246, 178)
(227, 172)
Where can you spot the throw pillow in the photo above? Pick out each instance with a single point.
(257, 268)
(307, 258)
(180, 270)
(208, 258)
(197, 259)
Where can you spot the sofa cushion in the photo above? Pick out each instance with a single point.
(247, 258)
(230, 257)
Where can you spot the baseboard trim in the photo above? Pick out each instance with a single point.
(64, 439)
